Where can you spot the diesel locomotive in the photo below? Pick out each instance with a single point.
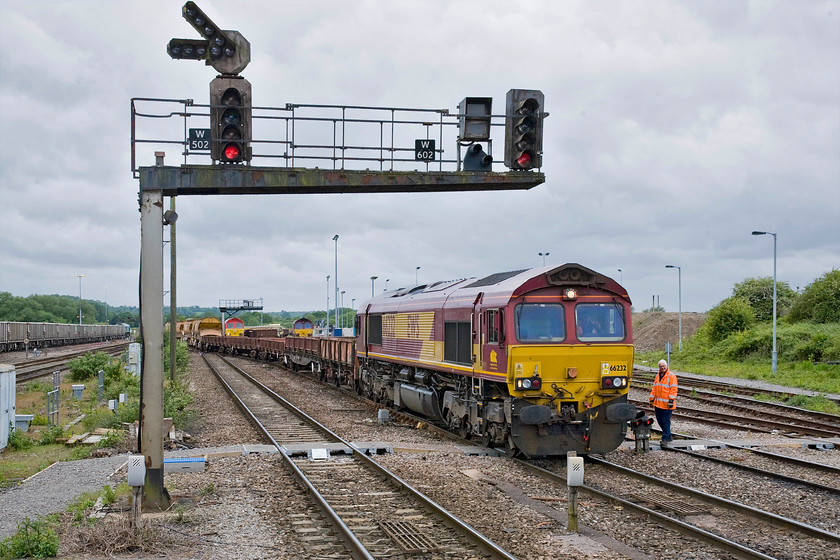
(536, 361)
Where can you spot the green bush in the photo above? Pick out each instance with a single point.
(176, 402)
(39, 386)
(100, 417)
(758, 292)
(40, 420)
(820, 301)
(109, 496)
(50, 435)
(112, 439)
(18, 441)
(34, 539)
(81, 506)
(819, 403)
(87, 366)
(730, 316)
(182, 357)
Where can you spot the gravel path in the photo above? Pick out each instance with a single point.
(53, 489)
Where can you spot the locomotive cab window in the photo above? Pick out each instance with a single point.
(374, 329)
(493, 336)
(597, 322)
(540, 322)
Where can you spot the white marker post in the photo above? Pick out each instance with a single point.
(574, 478)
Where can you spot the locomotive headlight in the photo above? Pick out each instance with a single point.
(614, 382)
(570, 293)
(528, 383)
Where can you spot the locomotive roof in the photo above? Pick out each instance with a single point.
(501, 285)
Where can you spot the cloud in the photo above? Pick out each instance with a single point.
(675, 129)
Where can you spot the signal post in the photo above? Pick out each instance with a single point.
(231, 172)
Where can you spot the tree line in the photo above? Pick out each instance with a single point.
(65, 309)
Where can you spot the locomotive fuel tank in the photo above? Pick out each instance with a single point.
(420, 400)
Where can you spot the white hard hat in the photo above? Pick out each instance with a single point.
(663, 363)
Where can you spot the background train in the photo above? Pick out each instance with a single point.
(537, 361)
(14, 335)
(234, 327)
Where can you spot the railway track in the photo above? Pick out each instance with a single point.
(812, 537)
(794, 479)
(33, 369)
(738, 527)
(374, 513)
(687, 384)
(775, 409)
(755, 422)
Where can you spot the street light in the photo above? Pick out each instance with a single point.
(679, 287)
(327, 322)
(80, 276)
(620, 277)
(386, 284)
(372, 278)
(416, 283)
(544, 255)
(774, 292)
(336, 279)
(342, 308)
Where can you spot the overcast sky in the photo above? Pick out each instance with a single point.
(675, 129)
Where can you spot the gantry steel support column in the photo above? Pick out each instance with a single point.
(151, 321)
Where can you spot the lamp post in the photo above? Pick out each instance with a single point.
(335, 238)
(774, 292)
(80, 276)
(416, 270)
(620, 277)
(327, 322)
(106, 304)
(372, 278)
(679, 288)
(544, 255)
(342, 308)
(386, 284)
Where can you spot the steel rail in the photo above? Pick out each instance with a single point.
(770, 455)
(721, 543)
(711, 499)
(823, 416)
(355, 547)
(757, 470)
(749, 404)
(483, 542)
(686, 381)
(726, 420)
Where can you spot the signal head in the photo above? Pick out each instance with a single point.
(523, 129)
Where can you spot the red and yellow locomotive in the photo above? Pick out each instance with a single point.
(538, 361)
